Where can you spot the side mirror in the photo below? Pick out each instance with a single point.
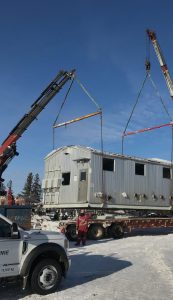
(14, 231)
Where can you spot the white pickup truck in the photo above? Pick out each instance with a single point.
(39, 258)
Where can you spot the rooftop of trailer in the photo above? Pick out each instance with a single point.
(110, 154)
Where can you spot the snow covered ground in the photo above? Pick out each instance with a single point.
(138, 267)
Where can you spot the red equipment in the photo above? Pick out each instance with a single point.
(161, 60)
(147, 129)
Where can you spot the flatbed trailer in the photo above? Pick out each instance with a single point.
(115, 227)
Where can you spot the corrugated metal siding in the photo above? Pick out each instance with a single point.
(124, 180)
(96, 177)
(121, 180)
(63, 161)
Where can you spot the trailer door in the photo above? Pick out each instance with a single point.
(83, 186)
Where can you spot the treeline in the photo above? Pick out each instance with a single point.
(32, 188)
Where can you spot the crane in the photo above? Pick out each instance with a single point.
(153, 38)
(8, 147)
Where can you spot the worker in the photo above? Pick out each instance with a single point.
(82, 228)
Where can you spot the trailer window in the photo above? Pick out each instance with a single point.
(83, 176)
(166, 173)
(139, 169)
(66, 178)
(108, 164)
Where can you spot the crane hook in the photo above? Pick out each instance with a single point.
(147, 65)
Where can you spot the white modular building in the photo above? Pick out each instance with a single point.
(77, 176)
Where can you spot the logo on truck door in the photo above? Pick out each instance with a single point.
(4, 252)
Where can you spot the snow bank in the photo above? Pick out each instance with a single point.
(44, 223)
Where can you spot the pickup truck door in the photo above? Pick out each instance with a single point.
(10, 251)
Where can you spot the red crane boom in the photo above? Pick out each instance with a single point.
(8, 147)
(161, 60)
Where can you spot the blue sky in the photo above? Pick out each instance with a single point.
(105, 41)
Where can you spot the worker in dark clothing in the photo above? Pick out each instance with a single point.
(82, 228)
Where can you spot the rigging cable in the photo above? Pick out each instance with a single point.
(99, 109)
(167, 112)
(63, 102)
(148, 75)
(87, 93)
(165, 108)
(161, 99)
(101, 126)
(131, 114)
(148, 43)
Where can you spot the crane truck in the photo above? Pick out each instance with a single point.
(8, 148)
(36, 257)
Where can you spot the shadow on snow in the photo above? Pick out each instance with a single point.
(85, 267)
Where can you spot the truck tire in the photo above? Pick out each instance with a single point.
(95, 232)
(71, 232)
(46, 276)
(117, 231)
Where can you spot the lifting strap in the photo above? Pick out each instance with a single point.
(148, 129)
(77, 119)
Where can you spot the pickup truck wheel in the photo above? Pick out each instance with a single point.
(46, 277)
(71, 232)
(117, 231)
(96, 232)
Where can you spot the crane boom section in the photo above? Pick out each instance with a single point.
(161, 60)
(8, 147)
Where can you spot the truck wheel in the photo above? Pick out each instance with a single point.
(96, 232)
(117, 231)
(71, 232)
(46, 277)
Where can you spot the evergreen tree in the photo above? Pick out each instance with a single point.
(36, 188)
(27, 190)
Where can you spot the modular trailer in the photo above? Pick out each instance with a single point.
(82, 177)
